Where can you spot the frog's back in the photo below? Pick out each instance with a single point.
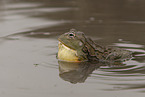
(117, 54)
(109, 53)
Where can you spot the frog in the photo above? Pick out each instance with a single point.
(75, 46)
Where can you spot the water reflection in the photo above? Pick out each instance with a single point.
(129, 76)
(32, 27)
(17, 17)
(79, 72)
(122, 75)
(76, 72)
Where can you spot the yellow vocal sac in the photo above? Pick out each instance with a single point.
(67, 54)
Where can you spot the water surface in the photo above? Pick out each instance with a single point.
(28, 47)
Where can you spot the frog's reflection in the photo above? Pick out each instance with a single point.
(76, 72)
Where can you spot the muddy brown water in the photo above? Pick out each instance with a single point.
(28, 45)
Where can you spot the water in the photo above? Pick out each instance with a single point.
(28, 47)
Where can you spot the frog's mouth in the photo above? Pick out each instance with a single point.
(67, 54)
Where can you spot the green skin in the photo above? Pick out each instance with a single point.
(75, 41)
(90, 51)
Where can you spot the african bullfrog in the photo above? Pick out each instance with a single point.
(74, 46)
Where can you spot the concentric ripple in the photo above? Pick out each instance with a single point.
(130, 75)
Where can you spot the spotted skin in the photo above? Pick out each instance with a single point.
(86, 49)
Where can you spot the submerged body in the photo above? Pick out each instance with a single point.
(74, 46)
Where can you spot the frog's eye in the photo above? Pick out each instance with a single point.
(71, 35)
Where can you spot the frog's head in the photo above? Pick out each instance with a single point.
(71, 46)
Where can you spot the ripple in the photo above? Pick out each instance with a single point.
(135, 22)
(130, 75)
(128, 45)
